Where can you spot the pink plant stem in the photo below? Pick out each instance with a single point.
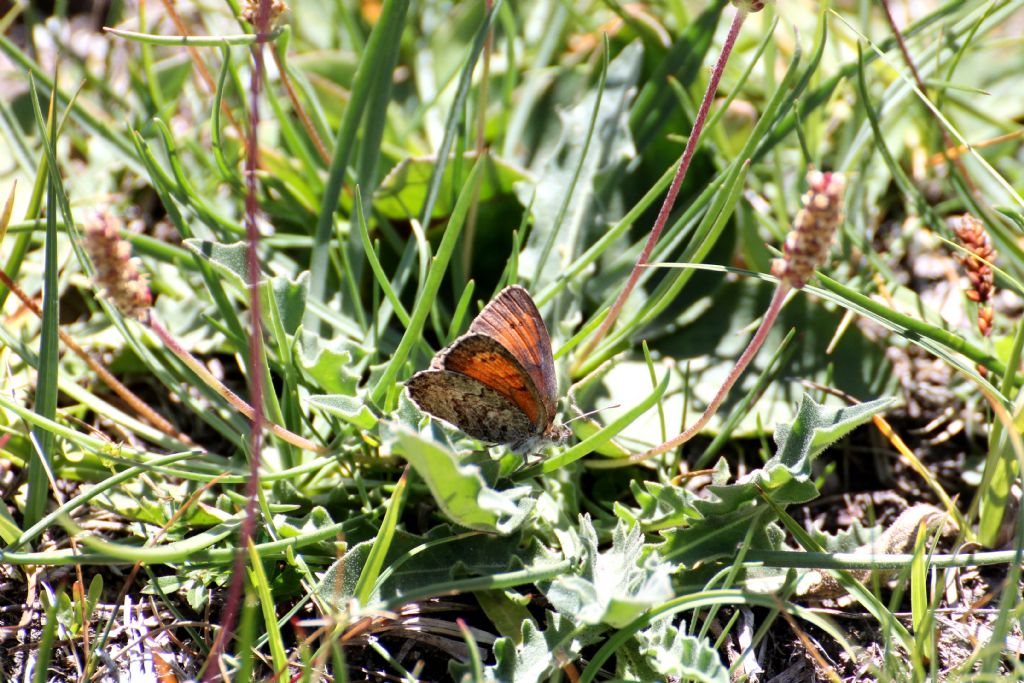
(236, 401)
(748, 355)
(233, 599)
(123, 392)
(197, 61)
(673, 191)
(947, 140)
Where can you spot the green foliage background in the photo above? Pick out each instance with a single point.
(449, 165)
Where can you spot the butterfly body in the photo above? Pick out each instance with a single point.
(497, 382)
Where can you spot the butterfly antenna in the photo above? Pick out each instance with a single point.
(588, 414)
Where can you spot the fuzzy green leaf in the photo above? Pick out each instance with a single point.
(817, 427)
(329, 364)
(613, 587)
(348, 408)
(722, 518)
(539, 654)
(669, 654)
(290, 300)
(228, 260)
(460, 489)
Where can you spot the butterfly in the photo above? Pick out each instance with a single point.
(496, 382)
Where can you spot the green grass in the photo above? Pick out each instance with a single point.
(415, 158)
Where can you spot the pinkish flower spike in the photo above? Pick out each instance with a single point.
(117, 273)
(807, 244)
(971, 233)
(749, 6)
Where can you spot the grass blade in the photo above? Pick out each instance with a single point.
(382, 48)
(382, 543)
(46, 386)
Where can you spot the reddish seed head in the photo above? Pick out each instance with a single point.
(117, 273)
(814, 228)
(251, 9)
(750, 6)
(971, 233)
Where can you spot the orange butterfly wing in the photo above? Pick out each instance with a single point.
(512, 319)
(487, 361)
(497, 382)
(471, 406)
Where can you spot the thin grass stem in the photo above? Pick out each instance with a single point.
(673, 190)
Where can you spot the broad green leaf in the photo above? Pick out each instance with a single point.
(290, 300)
(382, 543)
(615, 586)
(568, 199)
(718, 536)
(722, 516)
(661, 506)
(460, 489)
(66, 612)
(506, 610)
(172, 75)
(316, 519)
(712, 332)
(539, 653)
(665, 652)
(816, 428)
(329, 364)
(338, 584)
(227, 259)
(849, 539)
(348, 408)
(93, 595)
(415, 563)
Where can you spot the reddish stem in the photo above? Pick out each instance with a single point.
(947, 140)
(748, 355)
(125, 394)
(236, 401)
(300, 111)
(673, 190)
(233, 599)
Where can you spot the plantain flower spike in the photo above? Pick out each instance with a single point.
(117, 273)
(252, 8)
(749, 6)
(971, 233)
(814, 229)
